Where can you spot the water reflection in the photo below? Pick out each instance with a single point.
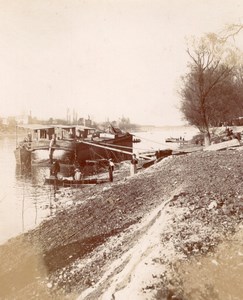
(29, 188)
(22, 170)
(24, 199)
(36, 196)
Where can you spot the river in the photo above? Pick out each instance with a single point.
(24, 199)
(155, 139)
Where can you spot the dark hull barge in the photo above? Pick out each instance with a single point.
(69, 147)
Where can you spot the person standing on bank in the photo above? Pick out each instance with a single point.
(111, 169)
(134, 162)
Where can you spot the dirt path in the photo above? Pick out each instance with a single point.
(136, 264)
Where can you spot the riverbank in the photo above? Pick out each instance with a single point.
(133, 237)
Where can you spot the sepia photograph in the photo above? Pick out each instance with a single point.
(121, 150)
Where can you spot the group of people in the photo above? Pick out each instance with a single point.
(55, 169)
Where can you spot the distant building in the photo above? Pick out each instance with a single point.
(85, 122)
(22, 119)
(88, 123)
(16, 120)
(81, 121)
(5, 121)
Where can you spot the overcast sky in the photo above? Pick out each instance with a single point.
(106, 59)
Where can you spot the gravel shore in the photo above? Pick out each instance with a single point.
(133, 238)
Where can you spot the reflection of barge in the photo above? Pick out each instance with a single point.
(71, 144)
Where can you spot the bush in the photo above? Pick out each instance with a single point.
(198, 139)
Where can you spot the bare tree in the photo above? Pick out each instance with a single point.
(212, 61)
(230, 32)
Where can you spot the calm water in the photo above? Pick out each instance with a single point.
(155, 140)
(24, 199)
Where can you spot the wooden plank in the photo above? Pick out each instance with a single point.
(223, 145)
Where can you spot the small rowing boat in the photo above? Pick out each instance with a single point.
(69, 182)
(173, 140)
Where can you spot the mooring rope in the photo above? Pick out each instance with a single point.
(113, 145)
(164, 144)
